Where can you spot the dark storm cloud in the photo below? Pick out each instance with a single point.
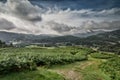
(6, 25)
(23, 9)
(59, 16)
(60, 28)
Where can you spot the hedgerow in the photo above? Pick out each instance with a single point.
(14, 60)
(112, 67)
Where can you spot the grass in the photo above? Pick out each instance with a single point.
(92, 72)
(102, 55)
(87, 69)
(112, 68)
(19, 59)
(40, 74)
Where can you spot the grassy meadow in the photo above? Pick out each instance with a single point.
(58, 63)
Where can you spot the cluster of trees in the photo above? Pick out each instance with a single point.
(111, 48)
(3, 44)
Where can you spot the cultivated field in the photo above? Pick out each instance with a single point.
(58, 63)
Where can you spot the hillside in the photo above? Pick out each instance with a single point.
(108, 37)
(10, 37)
(108, 41)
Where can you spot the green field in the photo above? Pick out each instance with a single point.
(57, 63)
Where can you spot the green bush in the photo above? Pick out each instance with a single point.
(19, 59)
(112, 67)
(102, 55)
(14, 64)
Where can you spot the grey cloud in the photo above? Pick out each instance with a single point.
(6, 25)
(30, 19)
(23, 9)
(92, 25)
(60, 28)
(85, 27)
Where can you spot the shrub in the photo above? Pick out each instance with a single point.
(14, 64)
(102, 55)
(19, 59)
(112, 67)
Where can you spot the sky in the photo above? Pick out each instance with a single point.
(59, 17)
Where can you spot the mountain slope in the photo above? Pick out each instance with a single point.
(109, 41)
(8, 37)
(113, 36)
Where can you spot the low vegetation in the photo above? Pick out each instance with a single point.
(58, 63)
(19, 59)
(102, 55)
(112, 68)
(4, 45)
(40, 74)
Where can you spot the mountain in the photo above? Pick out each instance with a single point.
(113, 36)
(89, 33)
(11, 37)
(60, 39)
(108, 41)
(109, 37)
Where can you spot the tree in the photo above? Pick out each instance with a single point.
(2, 44)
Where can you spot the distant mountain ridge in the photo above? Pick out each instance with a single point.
(8, 36)
(113, 36)
(106, 36)
(108, 41)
